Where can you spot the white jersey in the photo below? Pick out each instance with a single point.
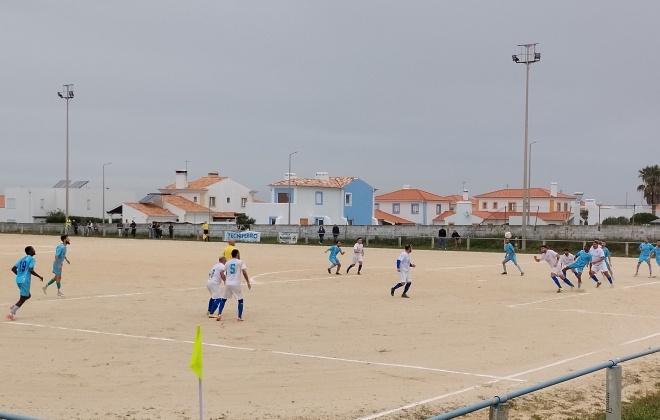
(550, 257)
(565, 260)
(233, 271)
(358, 249)
(214, 275)
(597, 255)
(404, 262)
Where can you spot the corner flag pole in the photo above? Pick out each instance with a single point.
(196, 367)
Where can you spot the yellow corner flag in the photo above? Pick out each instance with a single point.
(196, 359)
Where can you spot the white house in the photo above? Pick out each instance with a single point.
(2, 208)
(32, 204)
(412, 204)
(221, 194)
(320, 200)
(147, 213)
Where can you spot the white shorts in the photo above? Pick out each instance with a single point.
(404, 276)
(601, 266)
(556, 270)
(232, 290)
(214, 289)
(357, 258)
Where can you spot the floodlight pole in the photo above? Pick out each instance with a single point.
(289, 176)
(103, 212)
(529, 172)
(67, 94)
(527, 56)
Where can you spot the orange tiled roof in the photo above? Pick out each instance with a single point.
(184, 203)
(332, 182)
(480, 214)
(225, 214)
(555, 216)
(199, 184)
(2, 201)
(150, 209)
(410, 194)
(381, 215)
(518, 193)
(459, 197)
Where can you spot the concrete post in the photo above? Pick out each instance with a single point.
(399, 242)
(21, 228)
(613, 393)
(432, 242)
(41, 230)
(367, 240)
(627, 248)
(468, 243)
(499, 412)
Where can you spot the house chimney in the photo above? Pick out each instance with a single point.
(406, 187)
(292, 174)
(465, 195)
(214, 174)
(322, 176)
(553, 189)
(181, 180)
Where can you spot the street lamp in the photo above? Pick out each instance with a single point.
(103, 212)
(529, 172)
(289, 176)
(527, 56)
(67, 94)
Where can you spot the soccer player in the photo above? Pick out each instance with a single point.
(233, 270)
(608, 258)
(228, 249)
(598, 263)
(552, 258)
(60, 257)
(334, 250)
(510, 255)
(656, 251)
(358, 253)
(645, 249)
(582, 258)
(216, 276)
(403, 265)
(23, 269)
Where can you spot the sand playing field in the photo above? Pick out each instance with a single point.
(313, 345)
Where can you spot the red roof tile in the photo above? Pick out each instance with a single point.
(150, 209)
(2, 201)
(459, 197)
(184, 203)
(225, 214)
(199, 184)
(557, 216)
(381, 215)
(332, 182)
(410, 194)
(518, 193)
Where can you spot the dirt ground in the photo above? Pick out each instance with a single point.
(313, 345)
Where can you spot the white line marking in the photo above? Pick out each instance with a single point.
(584, 311)
(336, 359)
(416, 404)
(552, 364)
(640, 339)
(548, 300)
(364, 362)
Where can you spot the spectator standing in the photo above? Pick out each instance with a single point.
(442, 238)
(321, 234)
(133, 228)
(335, 232)
(457, 239)
(171, 229)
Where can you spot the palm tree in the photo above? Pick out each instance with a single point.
(650, 177)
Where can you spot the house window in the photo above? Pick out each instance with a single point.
(558, 206)
(414, 208)
(494, 205)
(319, 221)
(318, 198)
(11, 203)
(512, 206)
(438, 208)
(484, 205)
(42, 203)
(282, 197)
(565, 206)
(272, 220)
(211, 201)
(243, 201)
(396, 208)
(228, 200)
(89, 204)
(377, 206)
(348, 199)
(195, 199)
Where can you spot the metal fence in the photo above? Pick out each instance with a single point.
(499, 409)
(10, 416)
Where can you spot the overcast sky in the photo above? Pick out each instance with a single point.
(394, 92)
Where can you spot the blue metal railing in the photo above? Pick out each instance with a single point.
(500, 399)
(10, 416)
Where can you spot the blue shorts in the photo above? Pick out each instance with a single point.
(511, 258)
(644, 258)
(56, 269)
(575, 268)
(334, 260)
(24, 288)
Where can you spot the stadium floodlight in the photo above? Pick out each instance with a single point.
(289, 176)
(67, 94)
(527, 56)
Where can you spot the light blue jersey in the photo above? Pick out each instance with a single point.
(645, 252)
(581, 260)
(656, 251)
(607, 253)
(23, 267)
(334, 250)
(60, 253)
(510, 253)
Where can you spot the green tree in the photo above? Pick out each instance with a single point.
(244, 220)
(650, 177)
(642, 218)
(621, 220)
(56, 216)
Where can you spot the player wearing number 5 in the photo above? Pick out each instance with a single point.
(233, 270)
(60, 257)
(23, 269)
(358, 253)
